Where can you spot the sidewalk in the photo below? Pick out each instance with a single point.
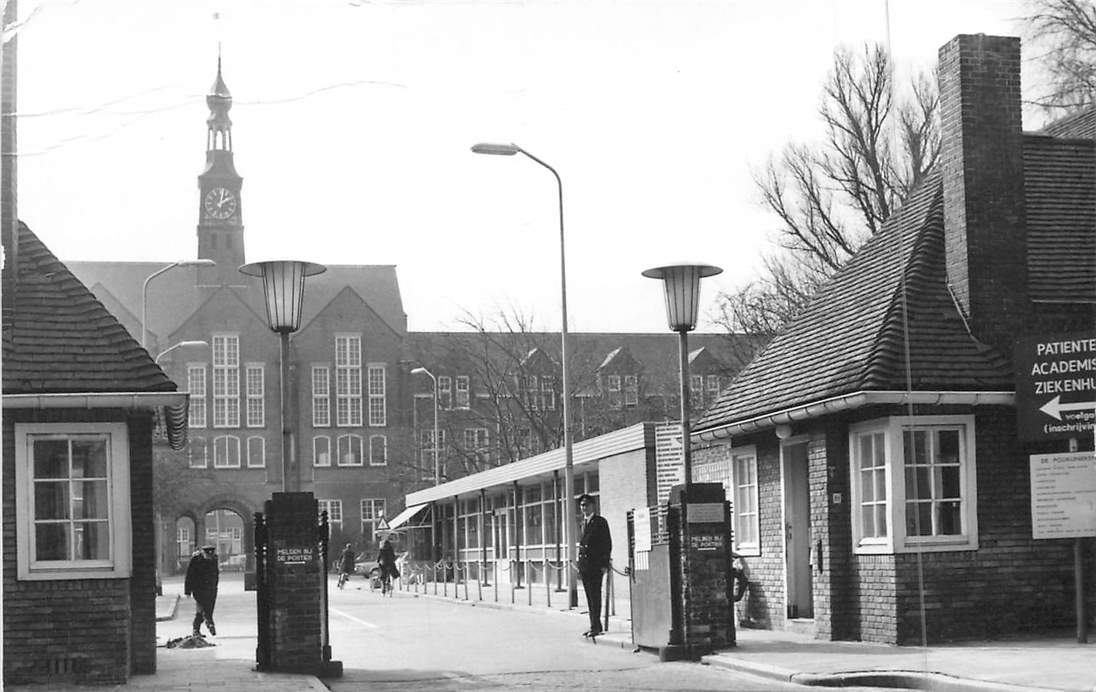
(1049, 663)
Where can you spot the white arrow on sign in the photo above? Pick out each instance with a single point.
(1054, 407)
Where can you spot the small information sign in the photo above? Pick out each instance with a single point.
(1063, 495)
(706, 542)
(294, 555)
(704, 513)
(641, 527)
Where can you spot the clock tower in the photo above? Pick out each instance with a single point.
(220, 213)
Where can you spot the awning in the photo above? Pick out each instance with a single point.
(405, 516)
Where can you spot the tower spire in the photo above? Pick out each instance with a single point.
(219, 101)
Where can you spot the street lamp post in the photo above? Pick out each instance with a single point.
(283, 287)
(682, 284)
(437, 442)
(570, 522)
(153, 275)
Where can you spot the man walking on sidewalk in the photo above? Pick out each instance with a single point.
(594, 549)
(202, 575)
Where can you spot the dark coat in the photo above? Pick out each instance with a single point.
(386, 560)
(202, 576)
(596, 545)
(346, 560)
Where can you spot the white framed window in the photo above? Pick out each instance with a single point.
(378, 450)
(183, 544)
(198, 453)
(349, 450)
(445, 392)
(745, 517)
(321, 450)
(72, 503)
(256, 393)
(613, 385)
(196, 385)
(914, 485)
(256, 452)
(531, 393)
(713, 388)
(378, 410)
(333, 509)
(226, 381)
(372, 512)
(348, 381)
(226, 452)
(476, 442)
(321, 396)
(631, 390)
(464, 399)
(696, 391)
(548, 392)
(427, 448)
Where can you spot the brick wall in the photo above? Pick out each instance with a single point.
(1012, 583)
(94, 631)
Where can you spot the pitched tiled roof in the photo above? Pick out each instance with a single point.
(850, 337)
(58, 338)
(1060, 200)
(1081, 124)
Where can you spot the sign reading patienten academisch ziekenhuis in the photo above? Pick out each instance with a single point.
(1056, 386)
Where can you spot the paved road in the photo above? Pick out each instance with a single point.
(417, 643)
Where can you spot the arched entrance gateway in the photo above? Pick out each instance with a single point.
(225, 522)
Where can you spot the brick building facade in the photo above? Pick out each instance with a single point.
(881, 490)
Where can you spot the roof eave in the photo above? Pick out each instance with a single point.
(855, 400)
(174, 406)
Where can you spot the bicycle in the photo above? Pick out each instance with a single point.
(343, 578)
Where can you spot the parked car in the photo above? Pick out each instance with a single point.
(367, 568)
(234, 563)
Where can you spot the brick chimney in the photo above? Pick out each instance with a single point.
(982, 157)
(9, 216)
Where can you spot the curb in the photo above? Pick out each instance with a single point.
(171, 615)
(900, 679)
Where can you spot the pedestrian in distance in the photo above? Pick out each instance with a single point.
(202, 575)
(594, 550)
(346, 564)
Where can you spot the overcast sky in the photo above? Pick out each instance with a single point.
(353, 122)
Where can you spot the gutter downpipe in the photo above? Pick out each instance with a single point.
(853, 401)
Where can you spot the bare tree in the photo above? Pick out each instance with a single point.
(1064, 35)
(831, 196)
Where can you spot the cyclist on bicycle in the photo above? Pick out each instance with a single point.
(346, 564)
(386, 560)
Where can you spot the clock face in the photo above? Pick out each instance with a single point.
(220, 203)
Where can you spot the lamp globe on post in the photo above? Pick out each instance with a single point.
(682, 285)
(283, 288)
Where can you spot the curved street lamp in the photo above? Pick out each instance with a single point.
(153, 275)
(283, 288)
(434, 380)
(570, 523)
(181, 344)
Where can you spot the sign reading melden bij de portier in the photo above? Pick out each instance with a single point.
(1056, 386)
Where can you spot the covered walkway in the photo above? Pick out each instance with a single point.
(501, 529)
